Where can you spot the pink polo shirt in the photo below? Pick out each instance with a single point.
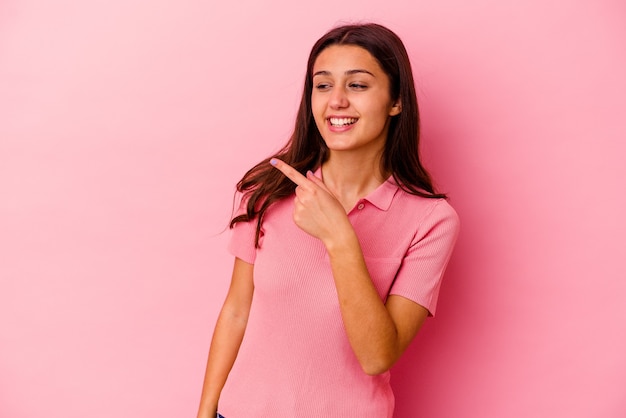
(295, 360)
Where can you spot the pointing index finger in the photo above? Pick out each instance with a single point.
(290, 172)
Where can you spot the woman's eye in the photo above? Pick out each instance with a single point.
(322, 86)
(358, 86)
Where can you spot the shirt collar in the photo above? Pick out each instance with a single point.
(382, 196)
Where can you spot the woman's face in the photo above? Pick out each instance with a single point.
(350, 100)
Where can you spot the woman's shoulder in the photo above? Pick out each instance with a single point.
(435, 209)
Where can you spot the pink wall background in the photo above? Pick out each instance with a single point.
(124, 126)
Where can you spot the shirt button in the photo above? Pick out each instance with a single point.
(361, 206)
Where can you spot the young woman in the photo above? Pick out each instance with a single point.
(340, 244)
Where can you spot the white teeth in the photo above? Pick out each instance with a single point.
(342, 121)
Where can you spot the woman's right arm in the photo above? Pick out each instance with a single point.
(227, 337)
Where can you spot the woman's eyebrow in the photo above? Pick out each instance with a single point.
(349, 72)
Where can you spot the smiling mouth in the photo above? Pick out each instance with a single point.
(339, 122)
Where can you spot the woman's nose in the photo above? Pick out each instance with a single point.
(338, 98)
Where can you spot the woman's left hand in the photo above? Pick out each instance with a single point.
(316, 211)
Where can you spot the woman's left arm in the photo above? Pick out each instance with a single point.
(379, 333)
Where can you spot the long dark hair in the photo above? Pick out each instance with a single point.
(263, 184)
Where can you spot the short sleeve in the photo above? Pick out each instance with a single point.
(241, 243)
(423, 266)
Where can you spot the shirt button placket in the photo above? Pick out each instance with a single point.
(355, 213)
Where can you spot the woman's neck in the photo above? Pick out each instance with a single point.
(351, 179)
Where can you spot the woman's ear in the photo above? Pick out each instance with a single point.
(396, 108)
